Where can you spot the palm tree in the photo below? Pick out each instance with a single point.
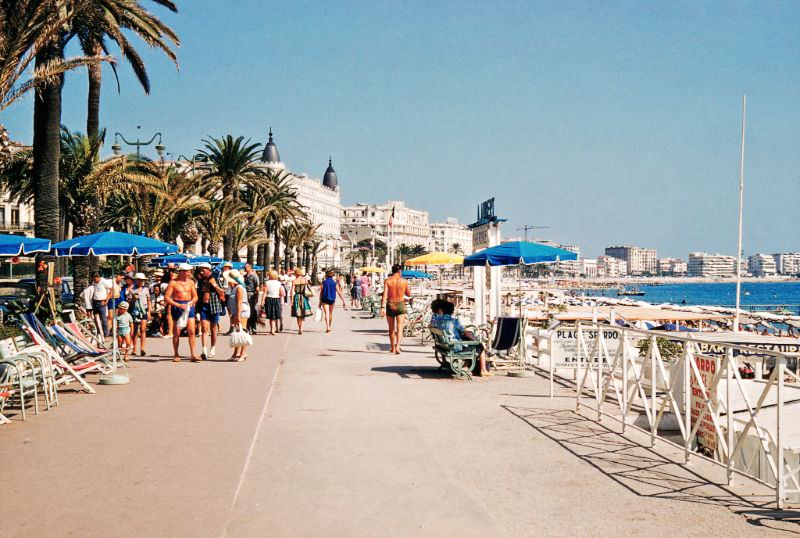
(82, 180)
(247, 233)
(80, 183)
(403, 252)
(232, 165)
(418, 250)
(95, 21)
(153, 196)
(219, 217)
(455, 248)
(27, 29)
(278, 199)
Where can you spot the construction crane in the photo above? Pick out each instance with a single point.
(530, 227)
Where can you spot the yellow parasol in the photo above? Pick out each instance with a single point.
(372, 270)
(436, 258)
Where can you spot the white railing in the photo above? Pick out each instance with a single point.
(696, 389)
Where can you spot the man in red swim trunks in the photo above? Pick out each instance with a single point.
(181, 295)
(393, 306)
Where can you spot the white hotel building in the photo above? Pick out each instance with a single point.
(787, 263)
(450, 233)
(321, 200)
(365, 221)
(762, 265)
(711, 265)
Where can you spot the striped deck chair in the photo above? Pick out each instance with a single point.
(65, 338)
(75, 330)
(69, 371)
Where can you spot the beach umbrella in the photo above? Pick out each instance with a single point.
(113, 244)
(163, 261)
(436, 258)
(416, 274)
(518, 253)
(18, 245)
(371, 270)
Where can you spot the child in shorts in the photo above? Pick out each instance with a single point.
(124, 328)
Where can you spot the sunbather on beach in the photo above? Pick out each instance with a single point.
(181, 295)
(393, 306)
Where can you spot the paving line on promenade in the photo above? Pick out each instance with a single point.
(254, 440)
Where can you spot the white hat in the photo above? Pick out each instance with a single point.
(123, 305)
(184, 267)
(204, 265)
(139, 276)
(227, 264)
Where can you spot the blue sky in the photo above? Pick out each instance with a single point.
(609, 122)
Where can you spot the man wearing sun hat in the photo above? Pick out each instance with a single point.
(181, 295)
(209, 299)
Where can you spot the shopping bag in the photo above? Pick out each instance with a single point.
(240, 338)
(318, 315)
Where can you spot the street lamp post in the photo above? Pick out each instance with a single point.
(117, 148)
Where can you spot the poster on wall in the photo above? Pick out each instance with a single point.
(706, 433)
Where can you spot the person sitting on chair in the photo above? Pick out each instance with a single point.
(444, 320)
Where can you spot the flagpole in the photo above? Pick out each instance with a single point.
(741, 206)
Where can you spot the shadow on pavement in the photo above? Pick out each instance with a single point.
(640, 470)
(414, 372)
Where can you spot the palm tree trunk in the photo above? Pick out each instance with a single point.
(227, 246)
(251, 254)
(261, 256)
(93, 100)
(276, 262)
(47, 151)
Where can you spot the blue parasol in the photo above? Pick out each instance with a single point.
(415, 274)
(518, 253)
(17, 245)
(113, 244)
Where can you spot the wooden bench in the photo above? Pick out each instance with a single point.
(461, 362)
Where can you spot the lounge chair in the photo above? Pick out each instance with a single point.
(68, 366)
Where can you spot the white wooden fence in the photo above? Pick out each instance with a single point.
(632, 381)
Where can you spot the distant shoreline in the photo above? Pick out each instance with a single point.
(659, 280)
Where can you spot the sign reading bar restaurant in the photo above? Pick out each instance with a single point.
(706, 433)
(564, 350)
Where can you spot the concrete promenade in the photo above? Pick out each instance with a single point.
(329, 435)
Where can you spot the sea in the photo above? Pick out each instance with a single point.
(755, 295)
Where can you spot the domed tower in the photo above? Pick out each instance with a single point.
(270, 153)
(329, 179)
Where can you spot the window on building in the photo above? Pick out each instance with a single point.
(2, 216)
(15, 217)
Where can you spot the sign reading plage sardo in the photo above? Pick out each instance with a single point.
(564, 350)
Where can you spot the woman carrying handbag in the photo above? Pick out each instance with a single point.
(301, 289)
(239, 308)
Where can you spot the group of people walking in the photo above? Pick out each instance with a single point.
(194, 299)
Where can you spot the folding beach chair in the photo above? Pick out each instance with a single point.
(70, 341)
(69, 371)
(75, 330)
(505, 344)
